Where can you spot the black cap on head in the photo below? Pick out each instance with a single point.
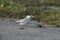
(29, 14)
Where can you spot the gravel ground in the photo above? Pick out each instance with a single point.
(9, 31)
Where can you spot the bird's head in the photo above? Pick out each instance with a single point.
(28, 16)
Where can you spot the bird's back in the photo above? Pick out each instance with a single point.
(21, 20)
(26, 19)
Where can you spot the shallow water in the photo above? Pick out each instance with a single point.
(9, 31)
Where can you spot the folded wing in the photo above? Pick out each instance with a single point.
(22, 20)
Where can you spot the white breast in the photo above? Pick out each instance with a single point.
(21, 23)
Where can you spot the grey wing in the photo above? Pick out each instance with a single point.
(22, 20)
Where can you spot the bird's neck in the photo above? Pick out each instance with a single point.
(28, 16)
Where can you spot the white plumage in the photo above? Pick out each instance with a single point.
(24, 21)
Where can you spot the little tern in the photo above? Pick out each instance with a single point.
(24, 21)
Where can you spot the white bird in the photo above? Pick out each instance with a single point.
(25, 21)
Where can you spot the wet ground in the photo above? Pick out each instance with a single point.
(9, 30)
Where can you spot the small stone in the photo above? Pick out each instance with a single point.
(40, 26)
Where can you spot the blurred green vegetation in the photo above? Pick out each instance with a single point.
(20, 8)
